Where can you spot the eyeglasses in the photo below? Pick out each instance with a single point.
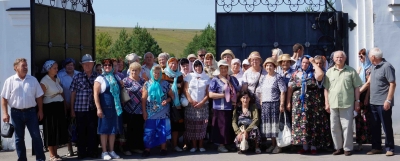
(107, 65)
(360, 56)
(202, 55)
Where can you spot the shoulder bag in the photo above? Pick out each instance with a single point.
(284, 136)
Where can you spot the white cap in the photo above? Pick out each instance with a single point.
(245, 62)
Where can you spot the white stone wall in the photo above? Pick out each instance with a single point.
(378, 25)
(14, 43)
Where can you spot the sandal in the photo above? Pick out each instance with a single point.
(258, 150)
(70, 153)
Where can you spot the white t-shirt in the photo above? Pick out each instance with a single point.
(102, 82)
(197, 87)
(53, 90)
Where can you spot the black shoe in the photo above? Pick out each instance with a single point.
(146, 153)
(347, 153)
(163, 152)
(81, 156)
(338, 152)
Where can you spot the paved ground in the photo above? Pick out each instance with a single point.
(212, 155)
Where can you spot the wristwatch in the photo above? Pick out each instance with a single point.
(388, 101)
(358, 100)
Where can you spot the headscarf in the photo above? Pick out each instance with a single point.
(114, 89)
(364, 67)
(47, 65)
(174, 74)
(201, 75)
(307, 75)
(155, 90)
(213, 67)
(236, 60)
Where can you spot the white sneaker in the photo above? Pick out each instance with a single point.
(114, 155)
(193, 150)
(202, 150)
(105, 156)
(222, 149)
(178, 149)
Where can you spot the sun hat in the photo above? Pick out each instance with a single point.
(245, 62)
(191, 56)
(236, 60)
(254, 54)
(132, 57)
(227, 52)
(86, 59)
(270, 60)
(285, 57)
(222, 62)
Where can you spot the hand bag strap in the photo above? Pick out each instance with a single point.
(258, 81)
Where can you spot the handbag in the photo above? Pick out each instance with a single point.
(184, 100)
(244, 145)
(123, 95)
(285, 136)
(7, 130)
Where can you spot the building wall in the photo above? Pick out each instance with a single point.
(378, 27)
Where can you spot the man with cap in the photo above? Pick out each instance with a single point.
(22, 93)
(65, 75)
(84, 109)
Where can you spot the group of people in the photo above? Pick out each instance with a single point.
(227, 102)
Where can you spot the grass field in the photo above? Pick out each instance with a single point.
(170, 40)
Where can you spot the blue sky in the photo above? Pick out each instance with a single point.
(180, 14)
(183, 14)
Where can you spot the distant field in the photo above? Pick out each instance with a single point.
(170, 40)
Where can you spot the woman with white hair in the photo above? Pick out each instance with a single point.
(162, 60)
(276, 53)
(237, 71)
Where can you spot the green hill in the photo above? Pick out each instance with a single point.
(170, 40)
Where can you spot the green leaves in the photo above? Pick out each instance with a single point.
(205, 40)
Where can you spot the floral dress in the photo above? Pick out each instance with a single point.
(310, 125)
(363, 125)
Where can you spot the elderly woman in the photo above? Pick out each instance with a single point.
(196, 114)
(54, 106)
(228, 55)
(284, 63)
(174, 77)
(272, 91)
(276, 53)
(251, 77)
(306, 102)
(245, 65)
(191, 58)
(246, 115)
(106, 91)
(210, 64)
(162, 60)
(133, 114)
(222, 90)
(363, 133)
(156, 98)
(184, 64)
(129, 59)
(237, 71)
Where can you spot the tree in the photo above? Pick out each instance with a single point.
(103, 44)
(121, 47)
(141, 42)
(206, 40)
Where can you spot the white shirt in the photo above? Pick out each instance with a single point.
(103, 84)
(21, 93)
(147, 70)
(66, 81)
(197, 87)
(53, 90)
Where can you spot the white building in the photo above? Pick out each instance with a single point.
(378, 25)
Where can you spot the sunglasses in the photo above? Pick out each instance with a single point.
(360, 56)
(107, 65)
(202, 55)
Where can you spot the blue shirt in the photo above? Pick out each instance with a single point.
(66, 81)
(216, 86)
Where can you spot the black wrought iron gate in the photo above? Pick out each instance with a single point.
(61, 32)
(320, 33)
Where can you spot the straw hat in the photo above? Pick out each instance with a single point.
(220, 63)
(285, 57)
(254, 54)
(229, 52)
(270, 60)
(191, 56)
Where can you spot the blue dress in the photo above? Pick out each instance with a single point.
(157, 128)
(111, 123)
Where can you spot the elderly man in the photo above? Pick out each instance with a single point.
(22, 93)
(65, 75)
(341, 97)
(148, 64)
(383, 84)
(201, 53)
(83, 108)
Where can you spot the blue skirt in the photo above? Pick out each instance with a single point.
(156, 132)
(111, 123)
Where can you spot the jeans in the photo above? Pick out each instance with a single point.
(86, 128)
(380, 116)
(27, 118)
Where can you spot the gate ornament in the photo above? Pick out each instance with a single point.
(272, 5)
(86, 4)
